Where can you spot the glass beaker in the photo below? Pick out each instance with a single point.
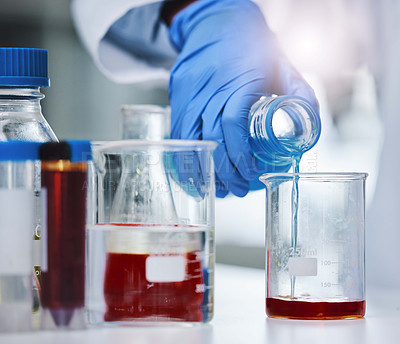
(315, 245)
(151, 253)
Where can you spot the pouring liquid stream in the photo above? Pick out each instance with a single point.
(294, 225)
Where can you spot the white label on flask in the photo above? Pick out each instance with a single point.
(16, 231)
(43, 230)
(303, 266)
(165, 268)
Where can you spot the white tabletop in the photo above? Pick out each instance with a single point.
(240, 318)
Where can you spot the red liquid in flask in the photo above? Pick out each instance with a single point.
(277, 307)
(129, 295)
(63, 280)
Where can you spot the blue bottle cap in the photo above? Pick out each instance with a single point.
(19, 151)
(23, 67)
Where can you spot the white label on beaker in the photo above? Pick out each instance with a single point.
(165, 268)
(16, 231)
(303, 266)
(43, 230)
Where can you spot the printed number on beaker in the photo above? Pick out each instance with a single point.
(302, 252)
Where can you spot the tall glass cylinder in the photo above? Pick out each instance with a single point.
(64, 198)
(145, 122)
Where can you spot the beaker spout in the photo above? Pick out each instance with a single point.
(272, 179)
(266, 179)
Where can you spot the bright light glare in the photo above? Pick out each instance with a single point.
(306, 48)
(308, 45)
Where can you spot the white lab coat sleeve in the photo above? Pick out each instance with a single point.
(93, 19)
(383, 218)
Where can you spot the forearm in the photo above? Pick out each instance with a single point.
(172, 7)
(150, 54)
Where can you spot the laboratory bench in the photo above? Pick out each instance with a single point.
(240, 318)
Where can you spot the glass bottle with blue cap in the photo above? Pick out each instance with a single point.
(23, 71)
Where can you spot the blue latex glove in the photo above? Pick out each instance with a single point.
(190, 169)
(228, 58)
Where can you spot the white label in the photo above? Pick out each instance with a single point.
(16, 231)
(43, 229)
(37, 249)
(165, 268)
(303, 266)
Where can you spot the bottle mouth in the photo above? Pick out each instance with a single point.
(20, 92)
(293, 124)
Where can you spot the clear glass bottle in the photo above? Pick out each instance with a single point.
(22, 72)
(16, 222)
(281, 130)
(21, 115)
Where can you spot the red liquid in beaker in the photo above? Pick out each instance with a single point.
(277, 307)
(130, 296)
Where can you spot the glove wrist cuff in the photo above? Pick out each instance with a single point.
(171, 7)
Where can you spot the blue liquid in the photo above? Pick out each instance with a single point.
(280, 159)
(295, 210)
(281, 130)
(276, 160)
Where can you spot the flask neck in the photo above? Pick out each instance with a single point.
(17, 99)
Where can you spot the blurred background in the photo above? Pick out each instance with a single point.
(331, 42)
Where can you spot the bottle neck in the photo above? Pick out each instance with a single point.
(286, 125)
(16, 99)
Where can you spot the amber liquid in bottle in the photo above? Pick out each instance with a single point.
(63, 275)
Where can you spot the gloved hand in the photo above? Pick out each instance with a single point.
(228, 58)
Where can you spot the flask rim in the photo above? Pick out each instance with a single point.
(126, 146)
